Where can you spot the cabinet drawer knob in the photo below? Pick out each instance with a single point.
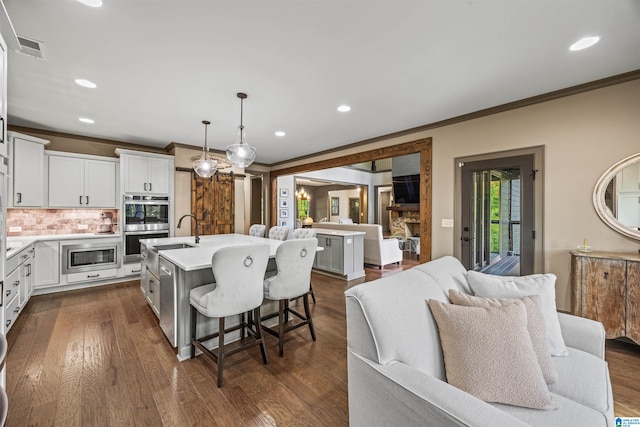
(7, 293)
(16, 283)
(7, 323)
(17, 310)
(606, 274)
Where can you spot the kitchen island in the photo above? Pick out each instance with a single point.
(175, 265)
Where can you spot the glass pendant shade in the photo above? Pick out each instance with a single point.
(205, 166)
(241, 154)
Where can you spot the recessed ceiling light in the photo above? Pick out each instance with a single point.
(85, 120)
(344, 108)
(584, 43)
(92, 3)
(280, 133)
(86, 83)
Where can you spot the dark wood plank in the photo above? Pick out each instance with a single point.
(98, 357)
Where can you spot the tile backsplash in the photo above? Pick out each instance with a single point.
(37, 222)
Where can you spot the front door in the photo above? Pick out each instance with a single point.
(498, 215)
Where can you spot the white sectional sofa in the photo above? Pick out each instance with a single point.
(396, 368)
(377, 250)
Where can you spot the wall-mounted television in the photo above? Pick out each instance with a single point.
(406, 190)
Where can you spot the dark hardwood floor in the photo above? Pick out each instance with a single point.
(97, 356)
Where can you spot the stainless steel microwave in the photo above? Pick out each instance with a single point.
(90, 257)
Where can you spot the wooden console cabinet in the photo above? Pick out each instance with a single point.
(605, 286)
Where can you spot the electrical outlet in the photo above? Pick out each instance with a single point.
(447, 223)
(82, 226)
(15, 229)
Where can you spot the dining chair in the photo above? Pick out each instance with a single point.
(257, 230)
(278, 233)
(239, 274)
(306, 233)
(294, 259)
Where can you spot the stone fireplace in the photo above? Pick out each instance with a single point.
(405, 224)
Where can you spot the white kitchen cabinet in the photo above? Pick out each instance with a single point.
(76, 181)
(47, 264)
(145, 174)
(3, 99)
(26, 170)
(18, 284)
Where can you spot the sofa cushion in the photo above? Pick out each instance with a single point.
(584, 378)
(488, 353)
(535, 325)
(488, 285)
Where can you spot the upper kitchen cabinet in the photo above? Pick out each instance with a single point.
(3, 98)
(146, 173)
(26, 170)
(82, 181)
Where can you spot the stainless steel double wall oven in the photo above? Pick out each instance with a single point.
(145, 217)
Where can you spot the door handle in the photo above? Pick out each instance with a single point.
(87, 197)
(80, 199)
(465, 238)
(145, 186)
(19, 195)
(150, 187)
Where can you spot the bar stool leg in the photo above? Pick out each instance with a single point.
(258, 327)
(220, 350)
(281, 317)
(307, 313)
(313, 296)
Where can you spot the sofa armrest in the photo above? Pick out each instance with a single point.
(390, 249)
(584, 334)
(397, 394)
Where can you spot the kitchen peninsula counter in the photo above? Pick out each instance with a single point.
(180, 270)
(199, 256)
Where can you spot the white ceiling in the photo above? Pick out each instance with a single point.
(164, 66)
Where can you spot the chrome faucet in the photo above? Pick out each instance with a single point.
(196, 219)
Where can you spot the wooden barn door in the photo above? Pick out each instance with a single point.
(212, 202)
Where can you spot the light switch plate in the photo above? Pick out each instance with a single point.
(82, 226)
(15, 229)
(447, 223)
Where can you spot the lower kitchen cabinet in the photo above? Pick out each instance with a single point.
(18, 284)
(92, 275)
(132, 269)
(342, 255)
(47, 266)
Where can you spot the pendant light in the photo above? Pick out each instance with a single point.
(206, 165)
(241, 154)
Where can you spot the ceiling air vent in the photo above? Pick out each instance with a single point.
(32, 48)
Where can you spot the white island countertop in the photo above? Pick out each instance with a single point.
(199, 256)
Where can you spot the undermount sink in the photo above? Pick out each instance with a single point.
(173, 246)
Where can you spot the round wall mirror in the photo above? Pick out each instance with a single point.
(616, 197)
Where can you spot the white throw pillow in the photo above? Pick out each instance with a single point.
(491, 286)
(488, 353)
(535, 325)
